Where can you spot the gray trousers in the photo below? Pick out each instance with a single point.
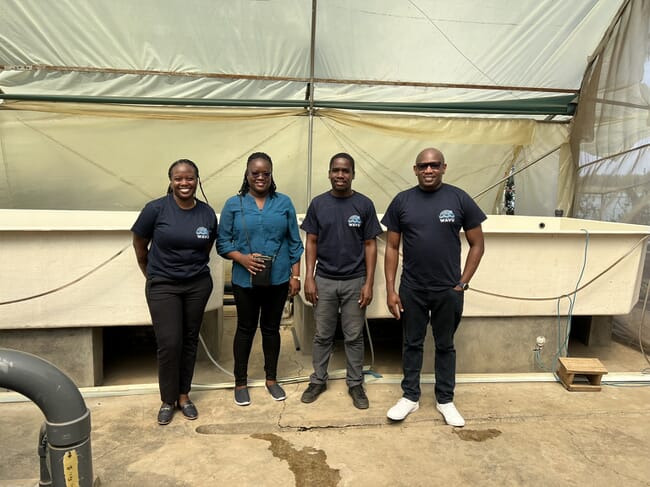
(335, 296)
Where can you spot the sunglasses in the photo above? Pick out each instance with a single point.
(256, 175)
(422, 166)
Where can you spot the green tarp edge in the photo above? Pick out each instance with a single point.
(554, 105)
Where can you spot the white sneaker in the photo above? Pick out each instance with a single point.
(402, 409)
(451, 414)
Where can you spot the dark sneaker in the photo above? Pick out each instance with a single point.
(359, 398)
(312, 392)
(242, 398)
(276, 392)
(165, 414)
(189, 410)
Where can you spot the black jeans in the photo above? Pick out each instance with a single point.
(445, 309)
(263, 305)
(176, 309)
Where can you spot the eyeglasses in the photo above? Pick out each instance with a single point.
(256, 175)
(422, 166)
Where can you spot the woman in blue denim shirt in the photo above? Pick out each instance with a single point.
(258, 222)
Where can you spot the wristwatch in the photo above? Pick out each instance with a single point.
(463, 285)
(296, 277)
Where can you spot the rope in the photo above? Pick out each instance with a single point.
(51, 291)
(567, 295)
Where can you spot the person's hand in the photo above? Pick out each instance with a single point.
(252, 263)
(294, 287)
(394, 304)
(365, 298)
(311, 292)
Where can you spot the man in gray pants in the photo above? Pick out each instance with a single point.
(341, 227)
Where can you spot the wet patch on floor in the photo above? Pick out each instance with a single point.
(235, 428)
(309, 465)
(477, 435)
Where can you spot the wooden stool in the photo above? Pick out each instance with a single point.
(591, 368)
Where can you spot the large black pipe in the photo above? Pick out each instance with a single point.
(67, 422)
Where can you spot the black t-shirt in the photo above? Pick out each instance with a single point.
(342, 226)
(180, 239)
(429, 224)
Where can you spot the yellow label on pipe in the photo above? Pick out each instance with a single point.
(71, 468)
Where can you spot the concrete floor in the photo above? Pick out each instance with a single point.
(521, 430)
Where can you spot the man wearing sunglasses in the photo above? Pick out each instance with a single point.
(427, 219)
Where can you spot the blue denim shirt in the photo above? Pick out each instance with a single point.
(272, 231)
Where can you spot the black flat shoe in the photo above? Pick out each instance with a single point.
(276, 392)
(189, 410)
(165, 414)
(242, 398)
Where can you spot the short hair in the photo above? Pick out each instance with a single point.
(342, 155)
(442, 156)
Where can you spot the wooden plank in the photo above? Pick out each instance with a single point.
(583, 365)
(582, 388)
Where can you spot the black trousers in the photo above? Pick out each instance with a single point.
(443, 309)
(263, 305)
(176, 309)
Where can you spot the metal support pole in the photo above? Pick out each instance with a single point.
(312, 88)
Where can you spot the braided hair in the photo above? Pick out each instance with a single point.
(196, 171)
(245, 187)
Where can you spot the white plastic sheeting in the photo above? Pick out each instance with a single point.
(612, 128)
(174, 48)
(92, 156)
(529, 43)
(154, 48)
(611, 140)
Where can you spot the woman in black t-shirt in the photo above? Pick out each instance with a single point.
(172, 238)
